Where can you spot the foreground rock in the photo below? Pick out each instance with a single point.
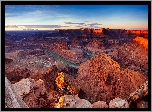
(39, 97)
(23, 87)
(130, 82)
(12, 100)
(118, 103)
(102, 79)
(140, 93)
(69, 101)
(99, 104)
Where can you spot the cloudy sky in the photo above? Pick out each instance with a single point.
(77, 16)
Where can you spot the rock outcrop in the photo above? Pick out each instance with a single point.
(102, 79)
(49, 77)
(134, 56)
(12, 100)
(130, 81)
(139, 93)
(98, 78)
(22, 87)
(39, 97)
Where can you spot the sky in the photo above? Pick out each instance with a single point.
(77, 16)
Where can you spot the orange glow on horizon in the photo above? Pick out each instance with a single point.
(142, 41)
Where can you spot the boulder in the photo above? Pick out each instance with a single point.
(99, 104)
(69, 101)
(118, 103)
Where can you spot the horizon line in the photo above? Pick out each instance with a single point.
(72, 28)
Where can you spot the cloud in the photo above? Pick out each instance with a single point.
(35, 15)
(65, 26)
(74, 23)
(94, 24)
(43, 26)
(87, 21)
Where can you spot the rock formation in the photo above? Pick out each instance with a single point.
(139, 93)
(12, 100)
(130, 81)
(39, 97)
(49, 77)
(102, 79)
(134, 56)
